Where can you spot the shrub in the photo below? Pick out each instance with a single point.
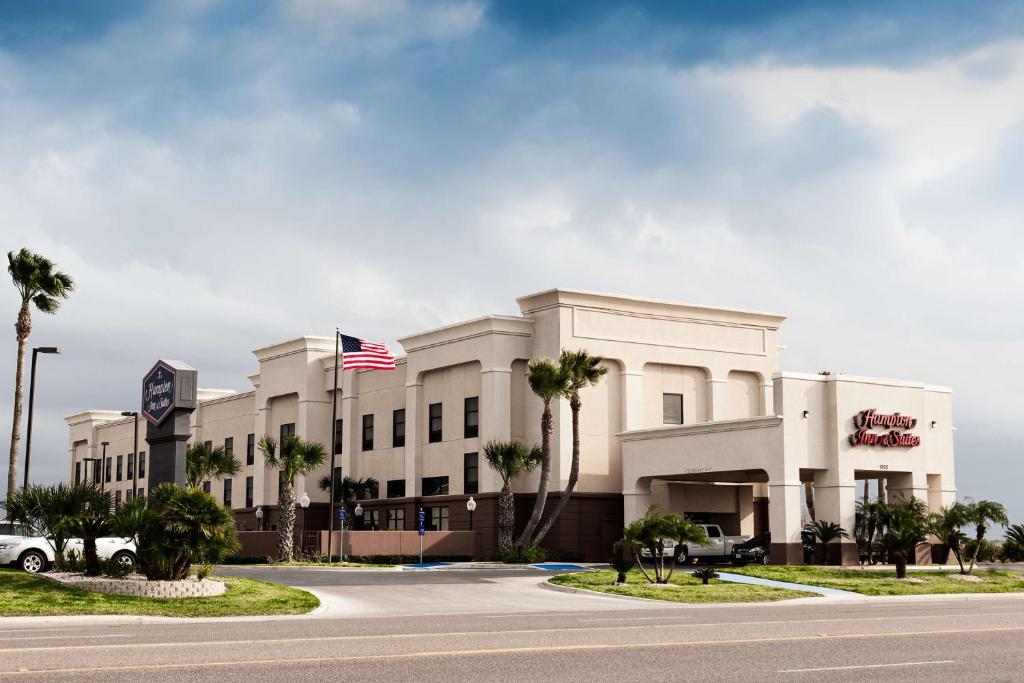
(115, 570)
(204, 571)
(1012, 552)
(73, 562)
(987, 551)
(705, 574)
(622, 560)
(530, 554)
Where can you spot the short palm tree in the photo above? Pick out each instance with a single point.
(349, 490)
(906, 528)
(581, 370)
(1015, 534)
(650, 533)
(203, 462)
(91, 523)
(39, 283)
(826, 532)
(295, 457)
(982, 514)
(46, 511)
(871, 522)
(946, 525)
(509, 459)
(548, 381)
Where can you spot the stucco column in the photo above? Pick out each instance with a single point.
(351, 434)
(632, 399)
(636, 502)
(784, 521)
(413, 391)
(495, 419)
(767, 398)
(716, 398)
(835, 500)
(260, 495)
(745, 508)
(906, 485)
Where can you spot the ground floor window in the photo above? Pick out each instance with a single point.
(437, 518)
(371, 520)
(396, 519)
(435, 486)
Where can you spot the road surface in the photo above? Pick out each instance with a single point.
(574, 638)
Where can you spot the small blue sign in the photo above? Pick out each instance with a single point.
(342, 514)
(422, 516)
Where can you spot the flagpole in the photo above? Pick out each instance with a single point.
(334, 447)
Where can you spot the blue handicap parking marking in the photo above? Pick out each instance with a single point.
(555, 567)
(427, 565)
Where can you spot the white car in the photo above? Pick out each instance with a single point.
(35, 554)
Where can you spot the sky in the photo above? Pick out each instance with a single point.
(220, 175)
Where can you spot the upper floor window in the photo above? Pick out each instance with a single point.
(287, 429)
(78, 472)
(227, 492)
(339, 436)
(229, 445)
(672, 409)
(250, 449)
(367, 432)
(209, 445)
(434, 426)
(472, 422)
(206, 487)
(109, 466)
(398, 428)
(142, 464)
(471, 473)
(248, 491)
(120, 466)
(435, 486)
(131, 468)
(396, 488)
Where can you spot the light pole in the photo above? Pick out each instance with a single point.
(135, 449)
(259, 518)
(304, 502)
(471, 505)
(103, 464)
(359, 514)
(31, 402)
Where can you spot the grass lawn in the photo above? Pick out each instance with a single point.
(885, 583)
(24, 594)
(683, 588)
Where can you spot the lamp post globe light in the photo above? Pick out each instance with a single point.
(31, 403)
(359, 513)
(135, 450)
(471, 506)
(304, 503)
(259, 518)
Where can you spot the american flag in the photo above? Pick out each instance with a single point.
(358, 354)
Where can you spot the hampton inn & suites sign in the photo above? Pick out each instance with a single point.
(866, 422)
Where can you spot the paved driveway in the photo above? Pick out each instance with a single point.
(389, 592)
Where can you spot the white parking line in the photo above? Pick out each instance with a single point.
(865, 666)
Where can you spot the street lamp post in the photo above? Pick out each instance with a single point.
(31, 402)
(471, 506)
(103, 464)
(304, 502)
(259, 518)
(359, 514)
(135, 450)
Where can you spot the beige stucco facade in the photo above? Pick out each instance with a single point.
(749, 433)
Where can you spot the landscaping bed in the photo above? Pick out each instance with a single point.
(24, 594)
(885, 582)
(682, 588)
(136, 584)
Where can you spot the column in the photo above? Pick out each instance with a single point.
(495, 419)
(835, 500)
(784, 521)
(632, 399)
(636, 502)
(904, 485)
(767, 398)
(716, 398)
(745, 509)
(413, 392)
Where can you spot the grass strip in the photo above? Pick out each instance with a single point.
(682, 588)
(866, 582)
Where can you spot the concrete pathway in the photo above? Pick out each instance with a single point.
(827, 592)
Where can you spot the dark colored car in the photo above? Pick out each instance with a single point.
(754, 551)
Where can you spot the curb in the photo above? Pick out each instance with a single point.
(686, 605)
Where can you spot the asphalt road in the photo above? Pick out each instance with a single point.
(937, 640)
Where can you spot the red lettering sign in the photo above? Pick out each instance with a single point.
(867, 420)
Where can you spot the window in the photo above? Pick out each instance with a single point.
(435, 486)
(128, 494)
(339, 432)
(470, 473)
(229, 446)
(142, 464)
(117, 497)
(248, 492)
(398, 428)
(110, 462)
(97, 471)
(396, 488)
(227, 492)
(713, 532)
(672, 409)
(250, 449)
(396, 519)
(120, 466)
(435, 422)
(337, 476)
(141, 493)
(372, 520)
(131, 468)
(367, 432)
(208, 444)
(437, 519)
(472, 425)
(206, 487)
(287, 429)
(78, 472)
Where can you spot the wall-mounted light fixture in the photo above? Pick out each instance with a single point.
(806, 413)
(934, 422)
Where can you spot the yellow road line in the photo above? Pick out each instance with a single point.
(498, 651)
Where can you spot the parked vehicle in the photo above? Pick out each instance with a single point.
(719, 546)
(35, 554)
(754, 551)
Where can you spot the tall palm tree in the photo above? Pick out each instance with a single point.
(508, 459)
(581, 370)
(982, 514)
(39, 283)
(294, 457)
(204, 462)
(548, 381)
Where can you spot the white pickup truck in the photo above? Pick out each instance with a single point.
(718, 546)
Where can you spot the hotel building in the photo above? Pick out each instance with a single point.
(694, 416)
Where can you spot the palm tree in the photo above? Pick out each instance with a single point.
(581, 370)
(349, 490)
(204, 462)
(92, 521)
(509, 459)
(40, 283)
(651, 531)
(982, 514)
(548, 381)
(906, 528)
(295, 457)
(46, 511)
(872, 523)
(826, 532)
(1015, 534)
(946, 525)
